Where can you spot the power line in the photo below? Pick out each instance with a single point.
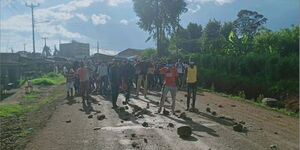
(32, 22)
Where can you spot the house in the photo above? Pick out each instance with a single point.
(10, 68)
(75, 50)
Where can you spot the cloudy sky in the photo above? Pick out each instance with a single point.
(113, 22)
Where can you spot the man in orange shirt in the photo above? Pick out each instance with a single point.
(84, 81)
(170, 75)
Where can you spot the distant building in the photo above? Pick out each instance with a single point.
(74, 50)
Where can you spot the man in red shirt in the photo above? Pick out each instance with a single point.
(170, 75)
(84, 81)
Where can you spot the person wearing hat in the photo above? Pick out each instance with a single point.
(191, 79)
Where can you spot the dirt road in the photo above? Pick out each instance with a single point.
(72, 128)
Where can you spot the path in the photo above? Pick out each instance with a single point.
(82, 133)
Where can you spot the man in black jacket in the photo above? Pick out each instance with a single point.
(128, 71)
(115, 79)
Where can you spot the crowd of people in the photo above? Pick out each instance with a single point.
(131, 78)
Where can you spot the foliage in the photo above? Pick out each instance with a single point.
(30, 96)
(149, 54)
(10, 110)
(49, 79)
(248, 22)
(242, 56)
(159, 17)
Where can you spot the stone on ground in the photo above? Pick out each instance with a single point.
(272, 102)
(238, 127)
(90, 116)
(207, 109)
(171, 125)
(184, 131)
(101, 117)
(145, 124)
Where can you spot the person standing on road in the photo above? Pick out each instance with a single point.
(191, 80)
(170, 75)
(70, 82)
(115, 80)
(103, 78)
(84, 81)
(142, 68)
(180, 69)
(128, 74)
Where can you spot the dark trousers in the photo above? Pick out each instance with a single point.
(103, 84)
(150, 81)
(191, 91)
(114, 93)
(128, 90)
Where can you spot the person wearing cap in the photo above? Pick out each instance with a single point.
(191, 79)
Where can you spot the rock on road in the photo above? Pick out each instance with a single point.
(75, 126)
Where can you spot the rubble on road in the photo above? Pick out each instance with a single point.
(273, 147)
(171, 125)
(134, 144)
(184, 131)
(207, 109)
(90, 116)
(101, 117)
(238, 127)
(214, 113)
(97, 128)
(145, 124)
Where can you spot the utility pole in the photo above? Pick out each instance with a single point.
(32, 22)
(45, 38)
(24, 47)
(97, 46)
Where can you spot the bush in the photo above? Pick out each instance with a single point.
(42, 81)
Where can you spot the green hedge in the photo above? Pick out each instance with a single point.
(270, 75)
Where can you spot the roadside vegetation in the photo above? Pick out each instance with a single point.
(239, 56)
(14, 122)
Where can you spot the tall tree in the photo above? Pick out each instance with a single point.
(195, 30)
(226, 28)
(160, 18)
(248, 22)
(212, 40)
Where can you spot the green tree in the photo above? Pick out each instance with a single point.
(195, 30)
(212, 41)
(160, 18)
(248, 22)
(226, 28)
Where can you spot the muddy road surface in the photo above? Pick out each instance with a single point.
(94, 125)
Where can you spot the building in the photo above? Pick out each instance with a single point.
(10, 68)
(74, 50)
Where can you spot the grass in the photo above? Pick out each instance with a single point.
(11, 110)
(31, 96)
(281, 110)
(49, 79)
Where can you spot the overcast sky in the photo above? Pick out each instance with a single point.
(113, 22)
